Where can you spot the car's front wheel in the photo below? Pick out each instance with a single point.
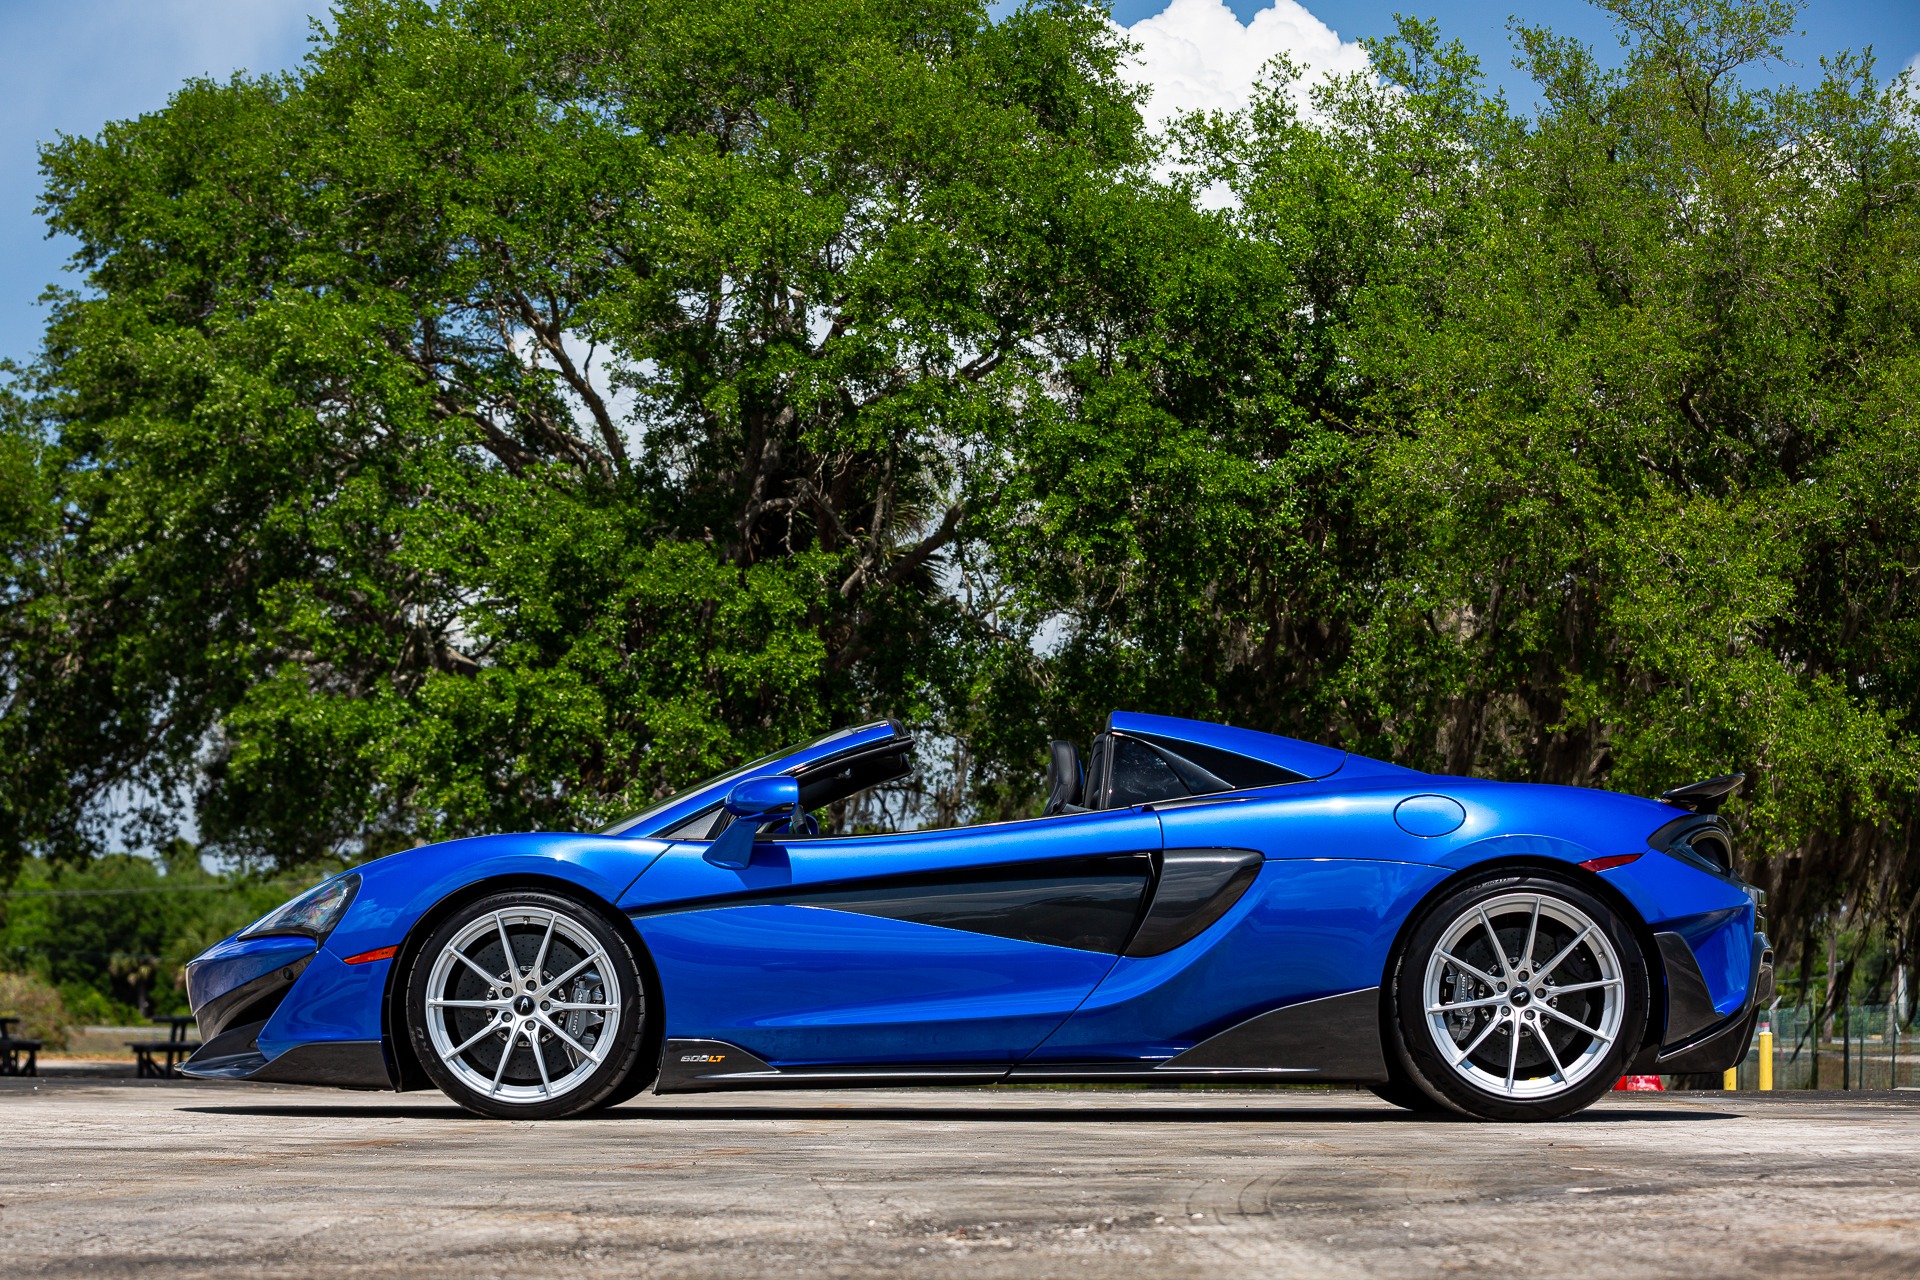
(528, 1005)
(1407, 1096)
(1519, 997)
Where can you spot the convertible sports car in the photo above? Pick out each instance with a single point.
(1197, 903)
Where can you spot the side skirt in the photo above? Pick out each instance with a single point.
(1332, 1038)
(691, 1066)
(1336, 1038)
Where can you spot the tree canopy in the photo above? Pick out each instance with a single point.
(527, 406)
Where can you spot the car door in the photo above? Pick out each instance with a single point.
(1318, 919)
(966, 945)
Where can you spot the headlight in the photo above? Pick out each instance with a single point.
(311, 915)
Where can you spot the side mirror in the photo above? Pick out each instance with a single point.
(751, 803)
(763, 798)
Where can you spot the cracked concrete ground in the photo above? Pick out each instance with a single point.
(121, 1178)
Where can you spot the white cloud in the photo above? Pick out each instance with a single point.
(1195, 55)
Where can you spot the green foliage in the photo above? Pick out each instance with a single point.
(114, 935)
(527, 406)
(91, 1007)
(1581, 449)
(43, 1015)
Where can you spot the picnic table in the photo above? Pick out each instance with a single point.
(161, 1059)
(18, 1056)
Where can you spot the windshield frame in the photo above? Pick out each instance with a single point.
(682, 804)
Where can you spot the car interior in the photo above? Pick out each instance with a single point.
(1121, 770)
(1126, 769)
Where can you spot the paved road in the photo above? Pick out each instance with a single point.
(120, 1178)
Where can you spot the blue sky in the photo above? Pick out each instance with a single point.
(72, 66)
(1892, 27)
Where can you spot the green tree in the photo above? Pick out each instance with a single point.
(115, 934)
(527, 405)
(1569, 449)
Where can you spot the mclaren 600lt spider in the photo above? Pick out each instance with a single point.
(1195, 903)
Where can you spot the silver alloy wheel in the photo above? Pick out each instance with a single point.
(529, 1028)
(1524, 995)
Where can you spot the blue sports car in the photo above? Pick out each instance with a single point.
(1195, 903)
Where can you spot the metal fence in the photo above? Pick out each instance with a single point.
(1860, 1047)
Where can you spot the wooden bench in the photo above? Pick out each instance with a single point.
(160, 1059)
(19, 1057)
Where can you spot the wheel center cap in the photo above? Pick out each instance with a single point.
(523, 1006)
(1520, 997)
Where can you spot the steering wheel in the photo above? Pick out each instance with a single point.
(800, 824)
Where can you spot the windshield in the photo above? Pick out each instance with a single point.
(645, 816)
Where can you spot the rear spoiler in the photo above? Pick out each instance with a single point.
(1706, 796)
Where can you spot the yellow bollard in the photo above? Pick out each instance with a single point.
(1766, 1055)
(1731, 1080)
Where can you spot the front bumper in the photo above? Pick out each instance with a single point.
(252, 1027)
(342, 1064)
(244, 980)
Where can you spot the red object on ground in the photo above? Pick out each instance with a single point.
(1638, 1084)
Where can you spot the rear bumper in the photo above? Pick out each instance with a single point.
(1698, 1038)
(1723, 1047)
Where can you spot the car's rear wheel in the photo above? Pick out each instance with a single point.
(528, 1005)
(1519, 997)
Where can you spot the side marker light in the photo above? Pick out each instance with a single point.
(1591, 864)
(378, 953)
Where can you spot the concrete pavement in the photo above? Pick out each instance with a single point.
(123, 1178)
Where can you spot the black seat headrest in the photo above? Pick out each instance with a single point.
(1063, 778)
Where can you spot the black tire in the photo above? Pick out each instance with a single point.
(537, 1037)
(1571, 1039)
(1408, 1097)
